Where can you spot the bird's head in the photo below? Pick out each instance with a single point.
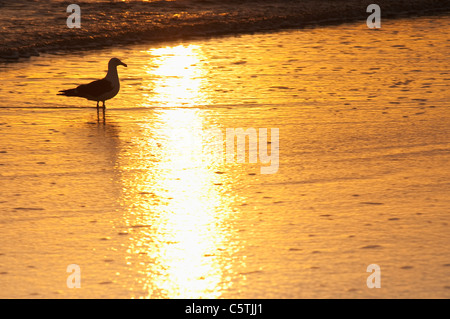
(115, 62)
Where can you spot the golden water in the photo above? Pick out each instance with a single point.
(363, 176)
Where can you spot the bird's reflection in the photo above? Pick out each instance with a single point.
(103, 117)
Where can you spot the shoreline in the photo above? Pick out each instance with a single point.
(199, 20)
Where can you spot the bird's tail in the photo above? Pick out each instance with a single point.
(69, 92)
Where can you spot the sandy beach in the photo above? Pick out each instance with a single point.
(363, 172)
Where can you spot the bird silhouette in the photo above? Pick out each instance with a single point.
(99, 90)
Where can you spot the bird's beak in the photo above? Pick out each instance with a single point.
(124, 64)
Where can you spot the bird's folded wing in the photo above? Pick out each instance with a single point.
(95, 88)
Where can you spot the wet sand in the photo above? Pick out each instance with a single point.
(363, 176)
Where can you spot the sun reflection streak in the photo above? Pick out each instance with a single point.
(178, 79)
(179, 218)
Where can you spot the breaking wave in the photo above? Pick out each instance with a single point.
(30, 27)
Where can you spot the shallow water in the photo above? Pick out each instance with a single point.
(363, 173)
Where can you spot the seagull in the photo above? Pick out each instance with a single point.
(99, 90)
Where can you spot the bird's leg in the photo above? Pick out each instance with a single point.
(98, 115)
(104, 112)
